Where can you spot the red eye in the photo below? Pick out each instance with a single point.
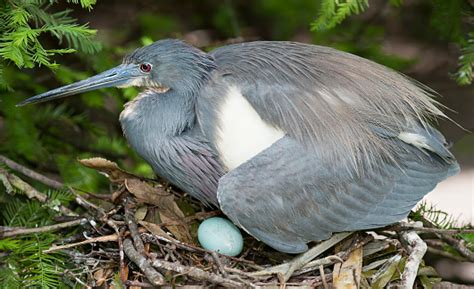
(145, 67)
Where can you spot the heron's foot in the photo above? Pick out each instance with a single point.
(305, 261)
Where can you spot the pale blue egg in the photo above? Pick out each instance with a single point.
(220, 235)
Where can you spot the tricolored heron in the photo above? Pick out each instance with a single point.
(293, 142)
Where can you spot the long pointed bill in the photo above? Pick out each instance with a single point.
(119, 76)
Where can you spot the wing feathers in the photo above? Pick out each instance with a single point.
(326, 99)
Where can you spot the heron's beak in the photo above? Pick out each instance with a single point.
(120, 76)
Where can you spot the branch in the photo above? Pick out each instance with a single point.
(24, 231)
(143, 263)
(108, 238)
(12, 180)
(30, 173)
(445, 254)
(409, 227)
(458, 244)
(417, 249)
(133, 227)
(196, 273)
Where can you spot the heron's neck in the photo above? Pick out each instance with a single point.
(158, 116)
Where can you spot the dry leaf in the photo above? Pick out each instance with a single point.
(154, 229)
(181, 231)
(140, 213)
(124, 273)
(109, 168)
(146, 193)
(348, 274)
(99, 277)
(169, 211)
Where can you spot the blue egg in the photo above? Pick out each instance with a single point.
(220, 235)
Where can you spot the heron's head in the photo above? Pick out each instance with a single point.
(165, 64)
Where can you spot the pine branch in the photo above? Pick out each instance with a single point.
(334, 12)
(466, 62)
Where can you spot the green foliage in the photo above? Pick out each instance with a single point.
(24, 22)
(438, 217)
(466, 61)
(333, 12)
(84, 3)
(25, 264)
(286, 17)
(448, 10)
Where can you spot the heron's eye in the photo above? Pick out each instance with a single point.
(145, 67)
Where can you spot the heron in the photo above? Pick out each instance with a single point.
(293, 142)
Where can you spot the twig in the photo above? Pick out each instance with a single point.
(240, 272)
(99, 212)
(458, 244)
(195, 249)
(408, 227)
(143, 263)
(297, 263)
(218, 262)
(71, 274)
(114, 226)
(101, 239)
(445, 254)
(196, 273)
(30, 173)
(417, 249)
(132, 225)
(14, 181)
(24, 231)
(131, 283)
(323, 277)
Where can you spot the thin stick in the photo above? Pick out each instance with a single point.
(133, 227)
(445, 254)
(30, 173)
(86, 204)
(408, 227)
(14, 181)
(298, 262)
(192, 248)
(114, 226)
(101, 239)
(25, 231)
(323, 277)
(196, 273)
(218, 262)
(143, 263)
(417, 249)
(458, 244)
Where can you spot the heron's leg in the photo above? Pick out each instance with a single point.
(286, 270)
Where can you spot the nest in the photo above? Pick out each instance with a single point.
(144, 235)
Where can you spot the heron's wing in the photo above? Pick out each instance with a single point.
(191, 164)
(325, 99)
(285, 198)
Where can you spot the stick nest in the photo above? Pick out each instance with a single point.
(144, 235)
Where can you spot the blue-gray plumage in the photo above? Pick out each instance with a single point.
(292, 141)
